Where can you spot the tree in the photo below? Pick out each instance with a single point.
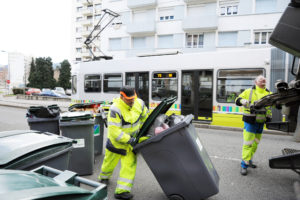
(44, 73)
(32, 74)
(65, 75)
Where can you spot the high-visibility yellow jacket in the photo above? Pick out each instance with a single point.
(124, 122)
(253, 94)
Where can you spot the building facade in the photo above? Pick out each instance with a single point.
(169, 26)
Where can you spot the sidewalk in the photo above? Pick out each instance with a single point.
(11, 101)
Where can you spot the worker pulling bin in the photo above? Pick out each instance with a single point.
(177, 157)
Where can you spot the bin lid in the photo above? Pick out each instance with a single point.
(84, 105)
(17, 144)
(17, 185)
(80, 115)
(162, 108)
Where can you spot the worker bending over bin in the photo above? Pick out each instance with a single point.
(125, 118)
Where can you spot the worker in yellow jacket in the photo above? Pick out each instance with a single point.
(254, 120)
(125, 118)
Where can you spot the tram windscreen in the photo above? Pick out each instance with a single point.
(164, 84)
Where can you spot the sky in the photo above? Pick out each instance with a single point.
(38, 28)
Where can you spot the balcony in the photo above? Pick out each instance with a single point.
(201, 23)
(86, 54)
(141, 3)
(86, 3)
(87, 12)
(141, 28)
(87, 22)
(199, 1)
(85, 33)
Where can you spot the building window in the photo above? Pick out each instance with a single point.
(78, 29)
(194, 40)
(166, 18)
(164, 84)
(262, 37)
(115, 44)
(227, 39)
(78, 59)
(229, 10)
(89, 17)
(98, 6)
(165, 41)
(92, 83)
(78, 19)
(112, 83)
(265, 6)
(232, 82)
(79, 9)
(78, 50)
(79, 39)
(139, 42)
(97, 16)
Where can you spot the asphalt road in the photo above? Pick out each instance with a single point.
(224, 148)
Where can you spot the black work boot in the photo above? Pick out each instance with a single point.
(124, 195)
(104, 181)
(243, 171)
(251, 164)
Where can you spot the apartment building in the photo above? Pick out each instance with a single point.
(86, 14)
(168, 26)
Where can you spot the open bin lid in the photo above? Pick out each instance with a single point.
(80, 115)
(85, 105)
(21, 185)
(16, 145)
(162, 108)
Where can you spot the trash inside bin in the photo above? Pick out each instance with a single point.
(20, 185)
(28, 149)
(80, 127)
(45, 119)
(178, 159)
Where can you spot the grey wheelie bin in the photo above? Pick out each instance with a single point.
(45, 119)
(28, 149)
(177, 158)
(35, 184)
(100, 121)
(80, 127)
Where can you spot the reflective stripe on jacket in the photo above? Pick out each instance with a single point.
(124, 122)
(253, 94)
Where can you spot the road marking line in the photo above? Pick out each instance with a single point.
(226, 158)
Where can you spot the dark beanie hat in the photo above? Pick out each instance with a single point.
(128, 90)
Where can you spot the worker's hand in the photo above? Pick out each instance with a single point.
(244, 102)
(131, 141)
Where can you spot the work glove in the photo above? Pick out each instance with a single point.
(131, 141)
(244, 102)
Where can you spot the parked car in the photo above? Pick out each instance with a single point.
(46, 89)
(59, 90)
(68, 92)
(33, 91)
(52, 93)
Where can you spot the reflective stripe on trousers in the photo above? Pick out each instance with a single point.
(127, 171)
(251, 141)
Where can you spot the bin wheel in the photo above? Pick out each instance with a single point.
(176, 197)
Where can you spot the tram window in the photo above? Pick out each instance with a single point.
(74, 84)
(230, 83)
(164, 84)
(112, 83)
(92, 83)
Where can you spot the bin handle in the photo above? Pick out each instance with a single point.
(44, 170)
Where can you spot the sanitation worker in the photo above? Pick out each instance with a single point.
(125, 118)
(254, 120)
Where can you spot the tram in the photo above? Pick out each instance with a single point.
(206, 83)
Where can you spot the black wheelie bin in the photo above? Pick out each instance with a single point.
(45, 119)
(35, 184)
(28, 149)
(177, 157)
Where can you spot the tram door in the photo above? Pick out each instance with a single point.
(140, 81)
(196, 94)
